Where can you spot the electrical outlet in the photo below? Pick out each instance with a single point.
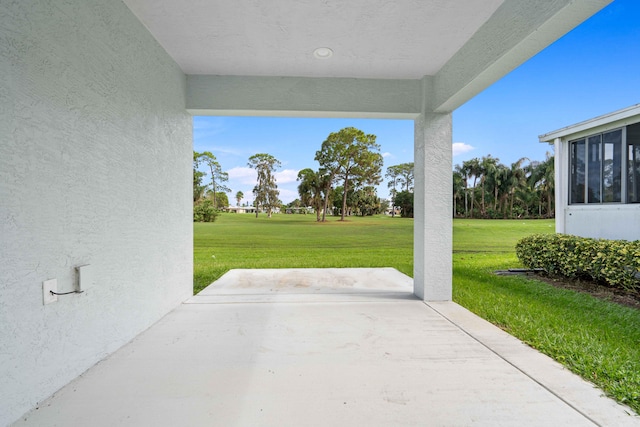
(47, 287)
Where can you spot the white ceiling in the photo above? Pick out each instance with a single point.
(388, 39)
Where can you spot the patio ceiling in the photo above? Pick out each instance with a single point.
(465, 45)
(369, 38)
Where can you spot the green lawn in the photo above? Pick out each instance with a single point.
(598, 340)
(244, 241)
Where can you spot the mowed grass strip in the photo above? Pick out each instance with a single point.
(498, 235)
(596, 339)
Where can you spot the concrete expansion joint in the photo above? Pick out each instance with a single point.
(518, 368)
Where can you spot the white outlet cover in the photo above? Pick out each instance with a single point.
(47, 287)
(86, 278)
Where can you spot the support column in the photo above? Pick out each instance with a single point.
(432, 228)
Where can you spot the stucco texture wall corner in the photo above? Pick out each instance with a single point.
(95, 168)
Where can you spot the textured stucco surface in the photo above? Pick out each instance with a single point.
(95, 153)
(372, 39)
(306, 97)
(432, 226)
(618, 222)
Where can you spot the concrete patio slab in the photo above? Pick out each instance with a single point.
(325, 347)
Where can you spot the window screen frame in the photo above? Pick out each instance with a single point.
(594, 165)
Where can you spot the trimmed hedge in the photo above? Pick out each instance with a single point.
(614, 262)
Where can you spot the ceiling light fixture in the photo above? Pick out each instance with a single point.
(323, 53)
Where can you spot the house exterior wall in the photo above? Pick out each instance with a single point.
(618, 222)
(600, 221)
(95, 168)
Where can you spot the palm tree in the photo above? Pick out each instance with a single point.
(239, 197)
(517, 181)
(541, 181)
(472, 169)
(530, 187)
(497, 180)
(504, 190)
(548, 185)
(487, 168)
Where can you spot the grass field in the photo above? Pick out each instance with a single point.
(244, 241)
(597, 339)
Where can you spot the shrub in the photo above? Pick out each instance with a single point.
(614, 262)
(203, 211)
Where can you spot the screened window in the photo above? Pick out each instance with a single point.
(596, 167)
(612, 167)
(577, 172)
(633, 163)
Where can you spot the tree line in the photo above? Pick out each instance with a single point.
(486, 188)
(350, 166)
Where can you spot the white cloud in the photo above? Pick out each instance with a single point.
(244, 175)
(386, 154)
(461, 148)
(287, 196)
(287, 175)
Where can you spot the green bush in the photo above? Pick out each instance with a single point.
(614, 262)
(203, 211)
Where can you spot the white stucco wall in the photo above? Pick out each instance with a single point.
(618, 222)
(95, 168)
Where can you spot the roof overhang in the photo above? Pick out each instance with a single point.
(434, 54)
(623, 117)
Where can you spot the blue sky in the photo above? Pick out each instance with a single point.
(593, 70)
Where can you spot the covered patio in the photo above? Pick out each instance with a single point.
(95, 170)
(325, 347)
